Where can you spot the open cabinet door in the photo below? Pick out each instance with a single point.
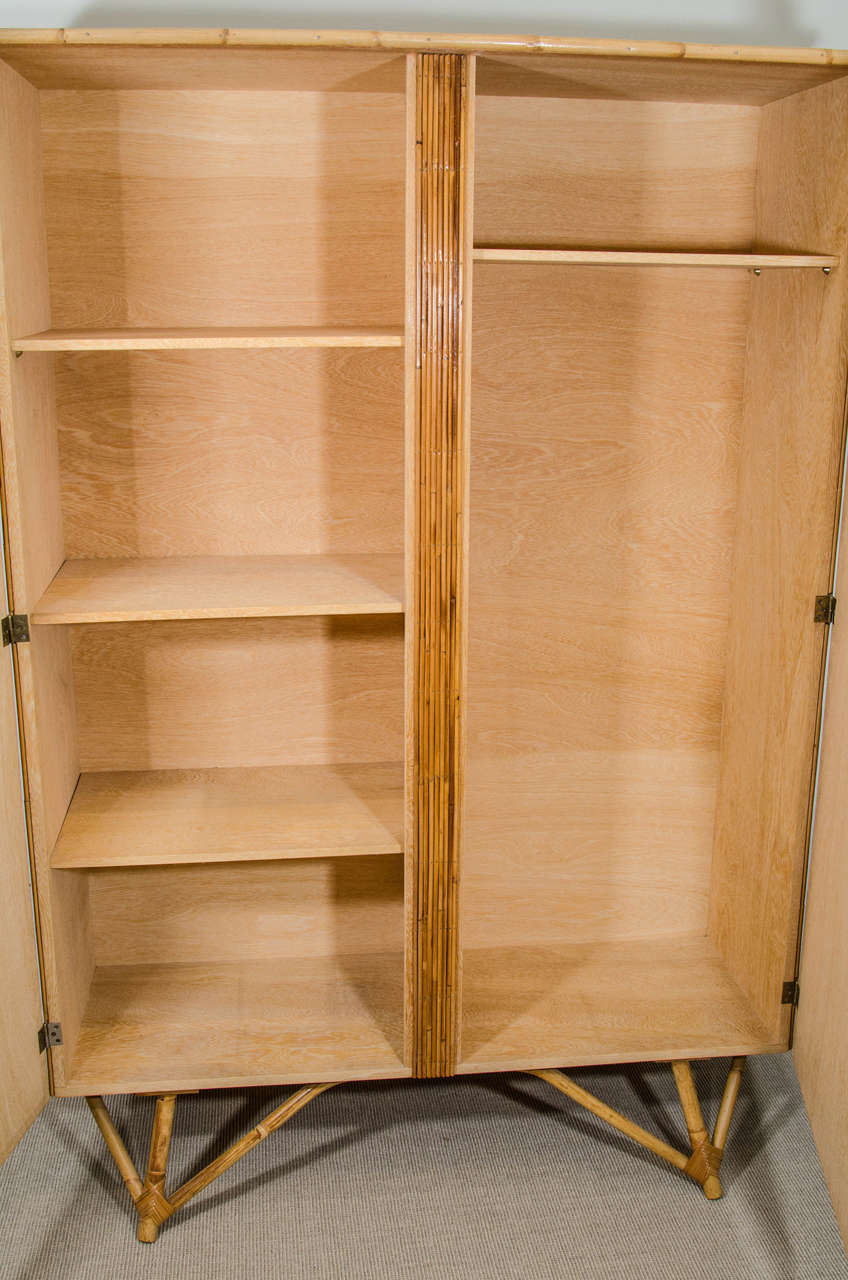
(23, 1068)
(821, 1029)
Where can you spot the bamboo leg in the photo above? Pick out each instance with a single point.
(149, 1197)
(703, 1164)
(728, 1102)
(252, 1139)
(153, 1208)
(118, 1151)
(614, 1118)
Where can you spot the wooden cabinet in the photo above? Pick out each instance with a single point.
(422, 463)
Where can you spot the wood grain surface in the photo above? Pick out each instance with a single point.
(205, 208)
(819, 1049)
(615, 175)
(790, 473)
(237, 693)
(208, 1025)
(620, 257)
(231, 912)
(143, 589)
(604, 442)
(642, 1000)
(178, 816)
(189, 454)
(210, 339)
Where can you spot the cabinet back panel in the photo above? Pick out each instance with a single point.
(167, 695)
(604, 450)
(216, 208)
(200, 453)
(567, 173)
(255, 911)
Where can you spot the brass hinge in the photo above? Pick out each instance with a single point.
(825, 609)
(15, 629)
(49, 1033)
(791, 991)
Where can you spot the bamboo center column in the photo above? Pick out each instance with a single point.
(442, 250)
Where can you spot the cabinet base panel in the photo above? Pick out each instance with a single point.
(592, 1004)
(287, 1020)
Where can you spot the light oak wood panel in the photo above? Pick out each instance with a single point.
(789, 481)
(72, 942)
(143, 589)
(644, 79)
(645, 175)
(99, 67)
(178, 816)
(604, 446)
(204, 339)
(32, 519)
(229, 912)
(30, 466)
(652, 999)
(231, 694)
(23, 1070)
(616, 257)
(820, 1047)
(177, 454)
(586, 845)
(207, 1026)
(212, 208)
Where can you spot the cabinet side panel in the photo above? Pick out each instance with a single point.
(30, 451)
(788, 493)
(821, 1040)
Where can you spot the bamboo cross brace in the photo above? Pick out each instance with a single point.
(149, 1197)
(703, 1163)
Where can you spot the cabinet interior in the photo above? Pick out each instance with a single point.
(211, 501)
(643, 560)
(218, 621)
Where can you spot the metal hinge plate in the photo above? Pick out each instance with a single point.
(49, 1034)
(791, 992)
(825, 610)
(15, 629)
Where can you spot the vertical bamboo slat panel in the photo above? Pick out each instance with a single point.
(441, 147)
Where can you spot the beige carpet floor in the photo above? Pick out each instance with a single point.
(481, 1178)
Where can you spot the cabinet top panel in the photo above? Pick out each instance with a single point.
(363, 61)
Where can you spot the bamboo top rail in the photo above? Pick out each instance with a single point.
(203, 339)
(645, 258)
(407, 41)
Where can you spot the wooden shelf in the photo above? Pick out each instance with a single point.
(205, 339)
(178, 816)
(626, 258)
(616, 1001)
(148, 590)
(207, 1026)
